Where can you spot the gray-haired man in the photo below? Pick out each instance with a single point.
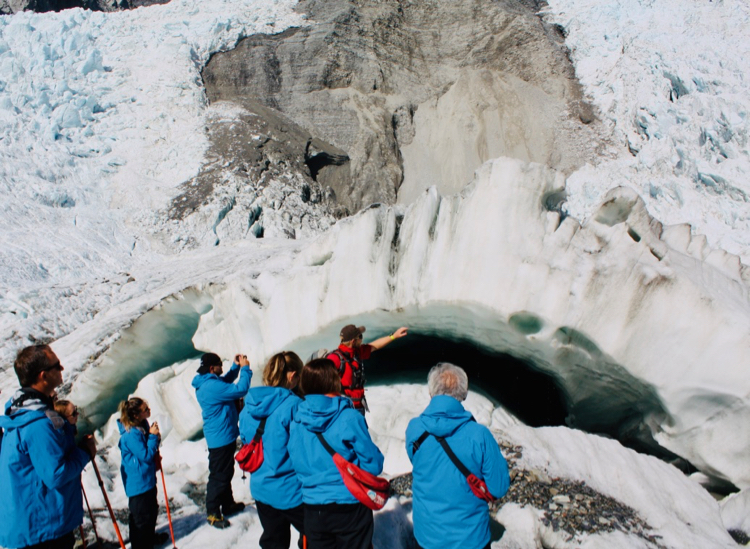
(447, 447)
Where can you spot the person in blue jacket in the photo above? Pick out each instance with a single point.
(40, 464)
(139, 446)
(275, 486)
(219, 398)
(334, 518)
(447, 515)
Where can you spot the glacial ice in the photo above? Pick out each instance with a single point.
(100, 118)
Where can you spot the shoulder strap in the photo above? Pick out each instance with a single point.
(457, 462)
(343, 361)
(417, 443)
(261, 429)
(325, 444)
(446, 447)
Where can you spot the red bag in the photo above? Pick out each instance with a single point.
(370, 490)
(250, 456)
(479, 488)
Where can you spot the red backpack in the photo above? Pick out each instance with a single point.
(477, 486)
(369, 490)
(250, 456)
(356, 390)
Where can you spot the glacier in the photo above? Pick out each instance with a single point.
(625, 281)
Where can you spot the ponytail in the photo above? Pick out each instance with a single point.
(129, 411)
(279, 365)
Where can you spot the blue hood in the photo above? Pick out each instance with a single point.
(275, 482)
(21, 419)
(261, 402)
(200, 379)
(318, 412)
(444, 416)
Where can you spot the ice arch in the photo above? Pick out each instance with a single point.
(647, 313)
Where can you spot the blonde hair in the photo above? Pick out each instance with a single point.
(274, 375)
(61, 407)
(129, 411)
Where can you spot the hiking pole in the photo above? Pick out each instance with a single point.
(91, 514)
(109, 505)
(166, 500)
(83, 538)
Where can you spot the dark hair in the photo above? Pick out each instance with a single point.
(320, 377)
(30, 362)
(274, 375)
(129, 411)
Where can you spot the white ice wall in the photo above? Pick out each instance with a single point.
(470, 262)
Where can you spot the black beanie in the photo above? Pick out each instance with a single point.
(208, 360)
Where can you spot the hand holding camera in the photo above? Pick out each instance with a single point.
(241, 360)
(154, 430)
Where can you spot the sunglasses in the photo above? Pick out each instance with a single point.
(147, 409)
(75, 412)
(56, 366)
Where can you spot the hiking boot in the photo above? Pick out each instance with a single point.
(218, 522)
(160, 538)
(233, 508)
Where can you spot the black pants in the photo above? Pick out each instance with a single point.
(338, 526)
(276, 525)
(220, 473)
(64, 542)
(142, 520)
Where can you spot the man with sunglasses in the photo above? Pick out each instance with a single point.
(40, 467)
(349, 357)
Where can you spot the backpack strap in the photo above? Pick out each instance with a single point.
(343, 361)
(259, 432)
(325, 444)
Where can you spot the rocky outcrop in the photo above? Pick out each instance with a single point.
(416, 94)
(258, 180)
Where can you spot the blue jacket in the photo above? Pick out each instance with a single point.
(217, 396)
(40, 476)
(346, 431)
(139, 449)
(275, 483)
(446, 513)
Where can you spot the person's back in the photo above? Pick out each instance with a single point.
(346, 431)
(275, 482)
(447, 515)
(334, 518)
(40, 465)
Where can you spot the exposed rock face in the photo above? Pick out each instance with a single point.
(258, 181)
(416, 93)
